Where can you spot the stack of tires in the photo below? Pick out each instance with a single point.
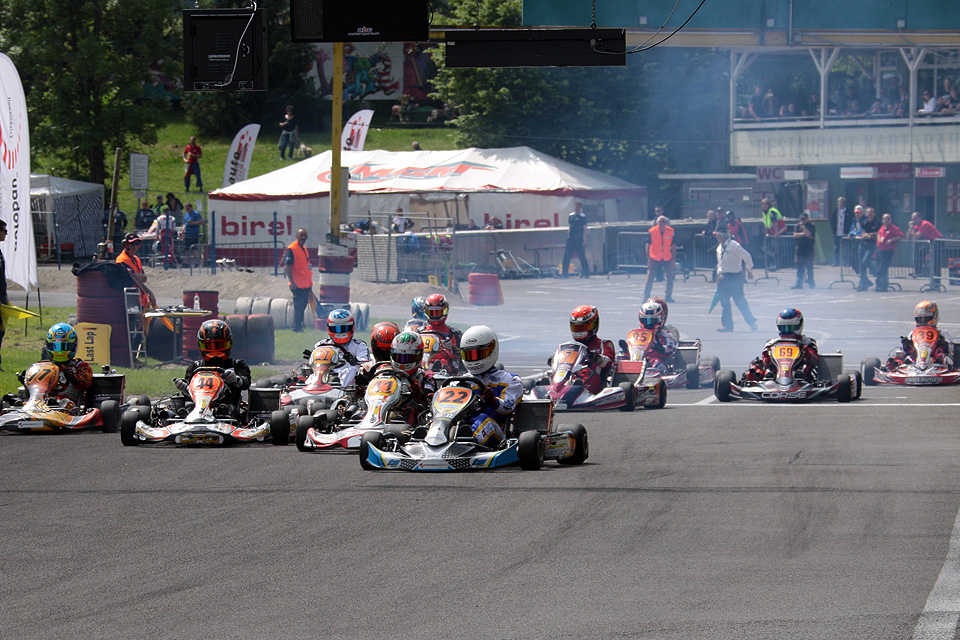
(360, 311)
(209, 300)
(99, 303)
(280, 309)
(253, 338)
(485, 289)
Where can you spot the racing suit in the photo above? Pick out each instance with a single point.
(354, 354)
(240, 383)
(602, 355)
(76, 377)
(942, 351)
(766, 367)
(662, 349)
(449, 360)
(503, 393)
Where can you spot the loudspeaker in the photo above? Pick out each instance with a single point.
(224, 50)
(366, 21)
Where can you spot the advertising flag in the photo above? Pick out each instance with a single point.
(238, 159)
(19, 249)
(355, 131)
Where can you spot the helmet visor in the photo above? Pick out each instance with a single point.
(61, 345)
(405, 358)
(649, 322)
(340, 329)
(581, 328)
(435, 313)
(215, 345)
(478, 353)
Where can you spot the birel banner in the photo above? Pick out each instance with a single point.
(19, 249)
(238, 159)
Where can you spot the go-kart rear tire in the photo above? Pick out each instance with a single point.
(721, 386)
(279, 428)
(693, 376)
(374, 438)
(662, 398)
(110, 413)
(143, 401)
(530, 450)
(304, 423)
(859, 380)
(128, 428)
(629, 395)
(714, 363)
(582, 450)
(845, 388)
(868, 370)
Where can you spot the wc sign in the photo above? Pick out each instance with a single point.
(770, 174)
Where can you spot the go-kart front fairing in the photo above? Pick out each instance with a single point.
(172, 419)
(686, 367)
(564, 388)
(785, 384)
(39, 412)
(322, 386)
(449, 443)
(923, 370)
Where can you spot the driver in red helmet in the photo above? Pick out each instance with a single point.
(381, 337)
(790, 326)
(584, 324)
(215, 340)
(436, 308)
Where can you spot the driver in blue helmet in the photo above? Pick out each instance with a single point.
(76, 376)
(790, 327)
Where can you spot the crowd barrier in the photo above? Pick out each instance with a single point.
(632, 250)
(920, 261)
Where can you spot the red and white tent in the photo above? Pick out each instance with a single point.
(521, 186)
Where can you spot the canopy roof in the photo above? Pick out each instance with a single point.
(510, 170)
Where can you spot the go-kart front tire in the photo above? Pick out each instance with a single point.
(279, 428)
(530, 450)
(629, 396)
(845, 388)
(582, 445)
(661, 398)
(859, 381)
(868, 369)
(370, 438)
(304, 423)
(110, 414)
(721, 386)
(128, 428)
(693, 376)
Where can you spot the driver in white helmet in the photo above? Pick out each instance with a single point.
(479, 350)
(653, 316)
(355, 353)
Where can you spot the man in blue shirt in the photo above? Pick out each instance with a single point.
(577, 222)
(192, 221)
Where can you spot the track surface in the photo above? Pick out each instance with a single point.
(701, 520)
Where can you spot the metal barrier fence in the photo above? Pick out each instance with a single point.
(696, 258)
(913, 260)
(632, 250)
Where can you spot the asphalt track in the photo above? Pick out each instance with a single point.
(700, 520)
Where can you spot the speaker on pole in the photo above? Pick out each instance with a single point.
(368, 21)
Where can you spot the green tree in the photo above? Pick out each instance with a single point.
(83, 66)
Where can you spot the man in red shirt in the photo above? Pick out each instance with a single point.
(887, 236)
(296, 262)
(191, 160)
(921, 229)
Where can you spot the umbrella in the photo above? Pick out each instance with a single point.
(716, 299)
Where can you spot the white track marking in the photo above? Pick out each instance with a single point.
(942, 611)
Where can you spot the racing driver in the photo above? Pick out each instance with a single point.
(76, 376)
(340, 330)
(584, 324)
(926, 314)
(215, 341)
(480, 349)
(790, 326)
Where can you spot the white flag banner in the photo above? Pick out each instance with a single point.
(19, 249)
(238, 160)
(355, 131)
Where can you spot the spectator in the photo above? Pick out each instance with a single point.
(876, 109)
(804, 237)
(175, 206)
(887, 237)
(769, 105)
(191, 160)
(164, 228)
(289, 133)
(401, 223)
(736, 229)
(869, 228)
(840, 221)
(576, 237)
(472, 225)
(773, 223)
(755, 106)
(192, 223)
(494, 223)
(144, 217)
(733, 261)
(947, 88)
(657, 212)
(855, 236)
(660, 257)
(158, 207)
(296, 262)
(813, 106)
(928, 104)
(921, 229)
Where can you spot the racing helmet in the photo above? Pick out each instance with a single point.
(340, 326)
(381, 338)
(479, 349)
(584, 323)
(790, 322)
(663, 303)
(406, 351)
(436, 308)
(926, 314)
(61, 342)
(214, 339)
(651, 315)
(416, 307)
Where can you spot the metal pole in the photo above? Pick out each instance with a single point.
(213, 243)
(275, 257)
(336, 131)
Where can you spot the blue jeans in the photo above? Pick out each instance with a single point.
(866, 254)
(288, 140)
(884, 258)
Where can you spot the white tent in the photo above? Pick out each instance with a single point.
(79, 210)
(521, 186)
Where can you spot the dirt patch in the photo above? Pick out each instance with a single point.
(236, 284)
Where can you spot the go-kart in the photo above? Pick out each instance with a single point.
(201, 420)
(438, 355)
(685, 368)
(562, 386)
(345, 423)
(32, 410)
(321, 386)
(447, 441)
(923, 370)
(785, 384)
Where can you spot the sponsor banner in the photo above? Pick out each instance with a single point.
(355, 131)
(858, 173)
(19, 249)
(238, 159)
(930, 172)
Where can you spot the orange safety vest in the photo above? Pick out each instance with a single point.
(133, 262)
(300, 269)
(661, 245)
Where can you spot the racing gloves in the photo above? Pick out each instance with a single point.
(230, 377)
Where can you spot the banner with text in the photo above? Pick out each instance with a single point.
(19, 249)
(355, 131)
(238, 159)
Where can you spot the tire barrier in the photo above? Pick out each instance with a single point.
(209, 300)
(260, 340)
(238, 327)
(160, 340)
(278, 311)
(485, 289)
(260, 307)
(334, 266)
(243, 305)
